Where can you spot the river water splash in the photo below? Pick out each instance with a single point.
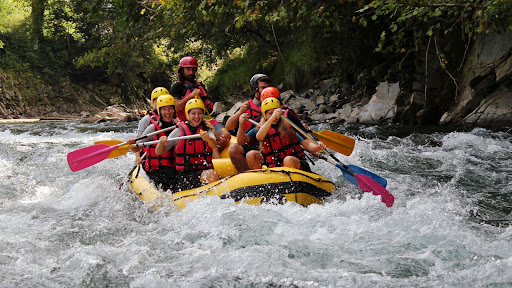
(449, 226)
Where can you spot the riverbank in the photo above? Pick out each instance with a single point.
(32, 120)
(481, 97)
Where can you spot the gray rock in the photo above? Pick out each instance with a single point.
(333, 99)
(218, 108)
(286, 96)
(381, 106)
(487, 69)
(328, 86)
(320, 100)
(494, 109)
(115, 113)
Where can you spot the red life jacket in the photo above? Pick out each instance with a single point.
(153, 115)
(204, 97)
(153, 161)
(254, 112)
(192, 154)
(277, 146)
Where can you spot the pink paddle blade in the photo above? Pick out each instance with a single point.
(88, 156)
(367, 184)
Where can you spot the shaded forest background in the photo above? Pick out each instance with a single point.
(119, 50)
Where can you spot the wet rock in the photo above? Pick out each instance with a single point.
(426, 117)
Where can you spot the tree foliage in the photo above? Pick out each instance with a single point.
(296, 40)
(406, 24)
(135, 44)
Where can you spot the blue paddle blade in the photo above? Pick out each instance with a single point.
(358, 170)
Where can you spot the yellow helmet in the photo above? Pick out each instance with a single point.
(269, 103)
(195, 103)
(164, 100)
(158, 91)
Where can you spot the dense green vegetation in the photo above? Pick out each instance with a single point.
(136, 45)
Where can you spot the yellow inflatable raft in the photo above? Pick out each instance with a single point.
(274, 185)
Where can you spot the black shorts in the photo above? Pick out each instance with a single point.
(163, 178)
(249, 147)
(304, 165)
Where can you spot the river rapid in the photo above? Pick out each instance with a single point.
(449, 226)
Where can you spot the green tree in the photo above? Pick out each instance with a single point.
(296, 41)
(406, 25)
(117, 41)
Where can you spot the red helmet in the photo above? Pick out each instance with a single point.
(270, 92)
(188, 61)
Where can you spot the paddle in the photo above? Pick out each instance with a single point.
(116, 152)
(364, 181)
(123, 150)
(358, 170)
(88, 156)
(336, 141)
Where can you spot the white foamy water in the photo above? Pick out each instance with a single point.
(449, 226)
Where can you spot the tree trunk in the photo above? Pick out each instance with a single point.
(37, 17)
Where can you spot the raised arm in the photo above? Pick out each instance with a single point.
(262, 133)
(231, 123)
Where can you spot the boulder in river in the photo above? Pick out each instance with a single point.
(115, 113)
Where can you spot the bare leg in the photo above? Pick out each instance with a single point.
(209, 176)
(292, 162)
(254, 159)
(236, 154)
(215, 153)
(223, 140)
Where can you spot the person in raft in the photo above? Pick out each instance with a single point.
(273, 92)
(238, 151)
(194, 166)
(188, 88)
(252, 107)
(160, 168)
(280, 144)
(151, 117)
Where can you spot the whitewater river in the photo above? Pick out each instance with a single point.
(449, 226)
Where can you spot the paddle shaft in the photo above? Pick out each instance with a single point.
(254, 122)
(310, 138)
(155, 133)
(147, 135)
(149, 143)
